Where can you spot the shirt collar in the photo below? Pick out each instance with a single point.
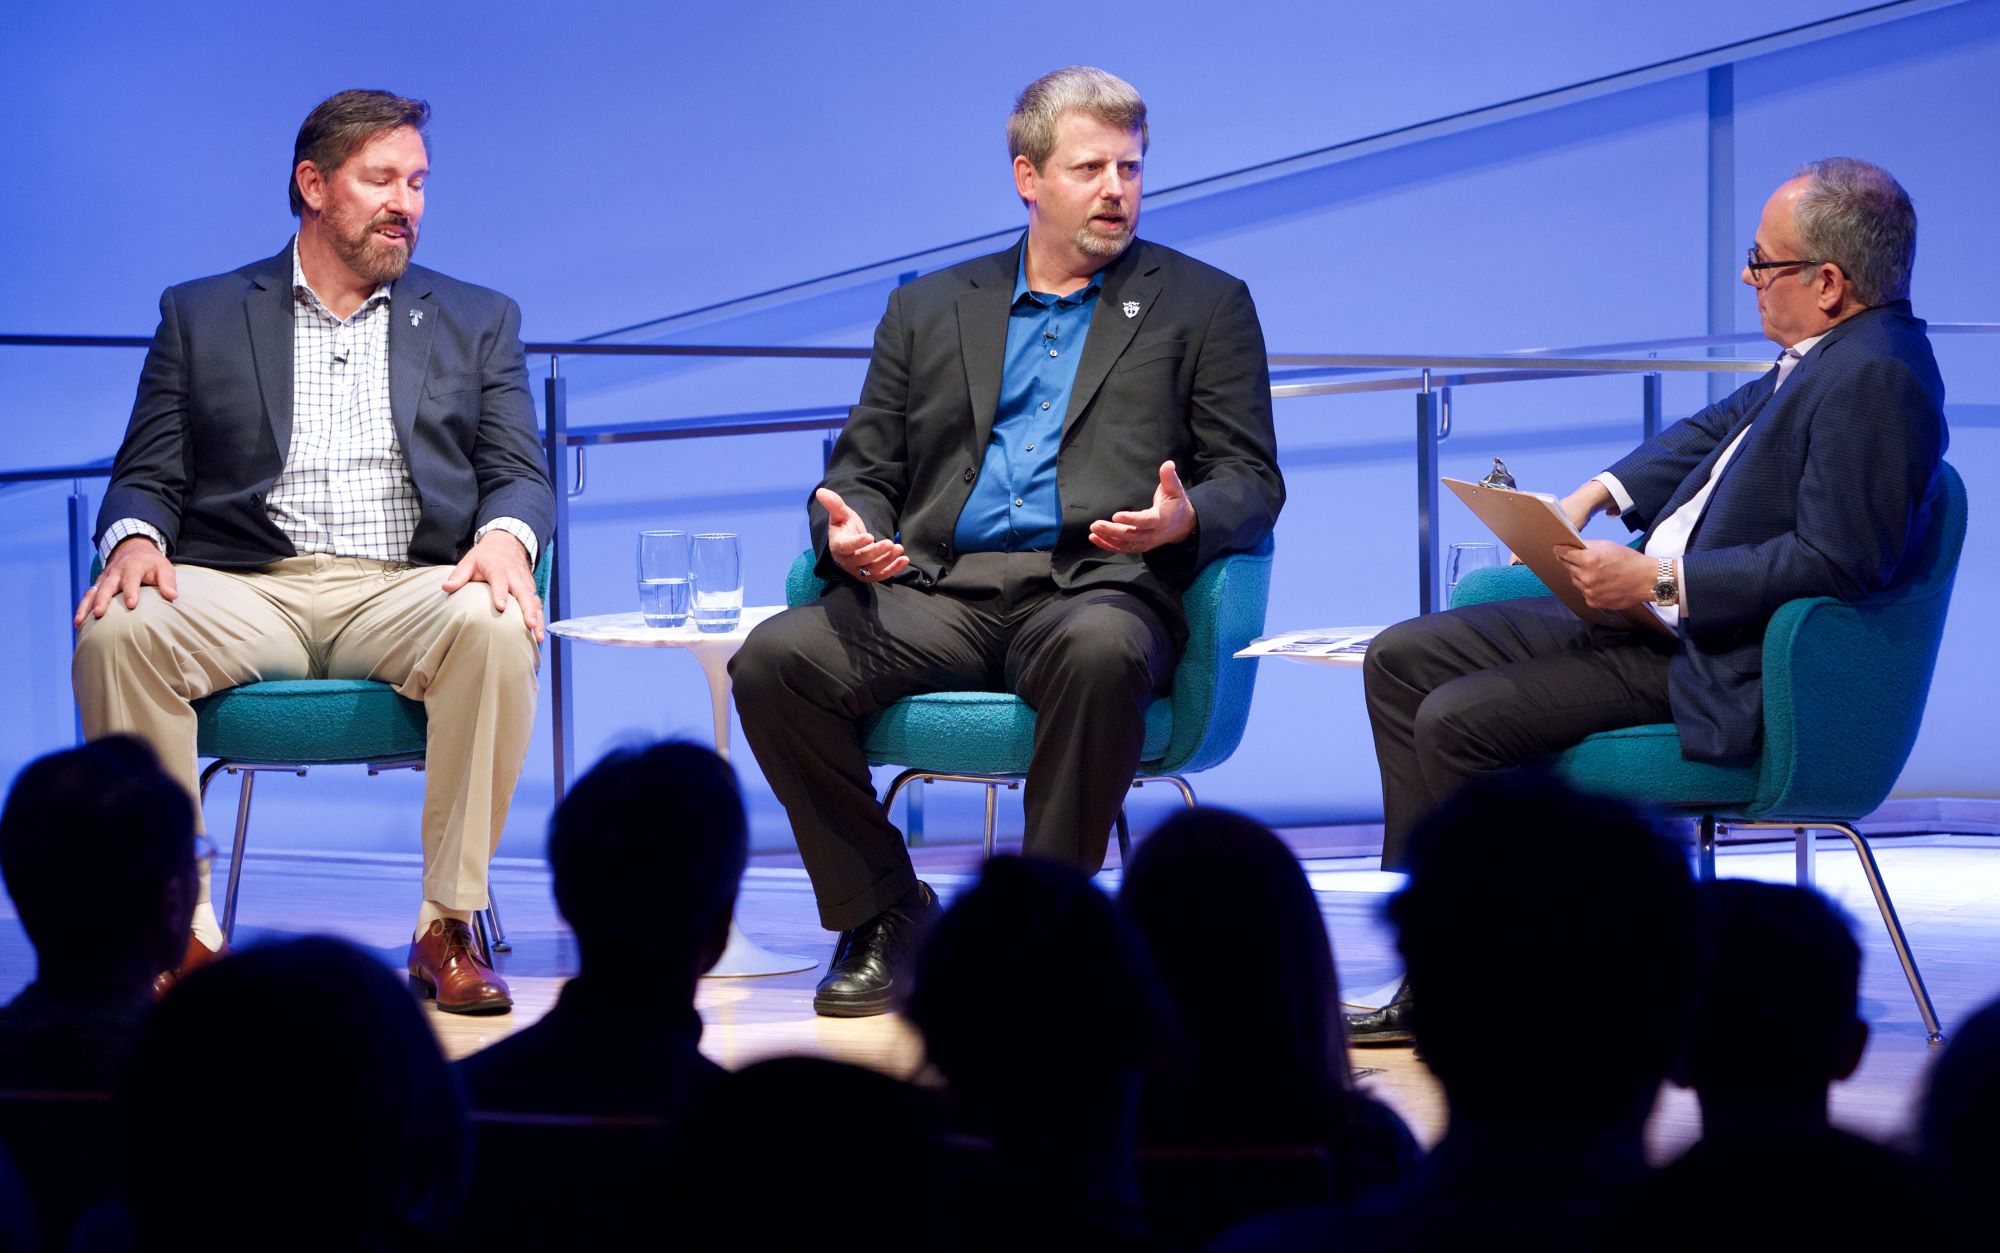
(1044, 299)
(302, 290)
(1805, 346)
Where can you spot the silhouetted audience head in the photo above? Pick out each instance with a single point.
(1960, 1150)
(307, 1071)
(1236, 935)
(1532, 913)
(780, 1120)
(1039, 1008)
(97, 846)
(1033, 977)
(1777, 1016)
(646, 851)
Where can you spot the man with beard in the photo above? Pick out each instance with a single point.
(1050, 444)
(332, 472)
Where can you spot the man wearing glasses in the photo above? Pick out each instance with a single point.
(1817, 479)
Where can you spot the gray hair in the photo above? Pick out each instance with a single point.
(1031, 127)
(1854, 214)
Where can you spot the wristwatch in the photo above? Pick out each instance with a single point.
(1666, 590)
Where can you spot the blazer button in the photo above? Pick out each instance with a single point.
(944, 549)
(969, 475)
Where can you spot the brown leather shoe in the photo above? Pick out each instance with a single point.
(197, 956)
(444, 963)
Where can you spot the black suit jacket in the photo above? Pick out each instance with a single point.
(1179, 377)
(1831, 494)
(213, 419)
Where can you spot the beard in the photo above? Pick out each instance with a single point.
(371, 259)
(1092, 242)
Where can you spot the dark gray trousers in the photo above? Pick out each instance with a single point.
(1478, 690)
(1088, 662)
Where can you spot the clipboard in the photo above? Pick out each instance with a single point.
(1532, 525)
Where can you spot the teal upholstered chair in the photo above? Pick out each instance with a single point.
(988, 737)
(293, 724)
(1844, 691)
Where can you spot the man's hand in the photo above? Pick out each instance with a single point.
(1586, 502)
(137, 562)
(1610, 575)
(852, 547)
(501, 563)
(1169, 521)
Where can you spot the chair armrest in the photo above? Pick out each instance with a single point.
(1224, 607)
(1477, 587)
(802, 586)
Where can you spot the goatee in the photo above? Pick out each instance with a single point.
(1096, 244)
(374, 262)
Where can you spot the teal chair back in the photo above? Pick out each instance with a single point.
(1197, 725)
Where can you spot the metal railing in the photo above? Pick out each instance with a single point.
(1430, 377)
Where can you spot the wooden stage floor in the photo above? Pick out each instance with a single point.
(1946, 887)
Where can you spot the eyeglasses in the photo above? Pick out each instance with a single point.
(1752, 261)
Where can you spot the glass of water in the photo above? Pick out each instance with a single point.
(718, 581)
(663, 578)
(1464, 559)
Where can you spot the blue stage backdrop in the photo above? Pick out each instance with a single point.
(1546, 176)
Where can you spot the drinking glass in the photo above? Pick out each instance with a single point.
(1466, 558)
(718, 581)
(663, 578)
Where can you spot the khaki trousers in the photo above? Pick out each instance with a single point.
(322, 617)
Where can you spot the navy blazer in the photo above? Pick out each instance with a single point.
(1173, 369)
(213, 419)
(1831, 494)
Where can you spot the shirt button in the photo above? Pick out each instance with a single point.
(1045, 404)
(1052, 352)
(1017, 502)
(1031, 447)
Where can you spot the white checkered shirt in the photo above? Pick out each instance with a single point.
(345, 488)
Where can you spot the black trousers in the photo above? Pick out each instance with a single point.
(1478, 690)
(1088, 662)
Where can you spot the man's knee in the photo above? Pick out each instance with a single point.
(1107, 648)
(122, 633)
(502, 634)
(1455, 723)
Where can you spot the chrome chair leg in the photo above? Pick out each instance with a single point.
(491, 915)
(1873, 873)
(236, 854)
(1895, 925)
(992, 804)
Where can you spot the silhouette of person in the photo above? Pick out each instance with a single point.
(344, 1128)
(1257, 997)
(1039, 1007)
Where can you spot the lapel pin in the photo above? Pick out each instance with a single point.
(1131, 308)
(417, 317)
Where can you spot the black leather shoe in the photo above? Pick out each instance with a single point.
(1387, 1026)
(861, 980)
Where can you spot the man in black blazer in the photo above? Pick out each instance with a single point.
(1817, 479)
(1050, 443)
(328, 450)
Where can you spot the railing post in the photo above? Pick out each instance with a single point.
(555, 414)
(81, 553)
(1651, 405)
(1427, 496)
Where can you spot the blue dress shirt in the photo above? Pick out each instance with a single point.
(1014, 506)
